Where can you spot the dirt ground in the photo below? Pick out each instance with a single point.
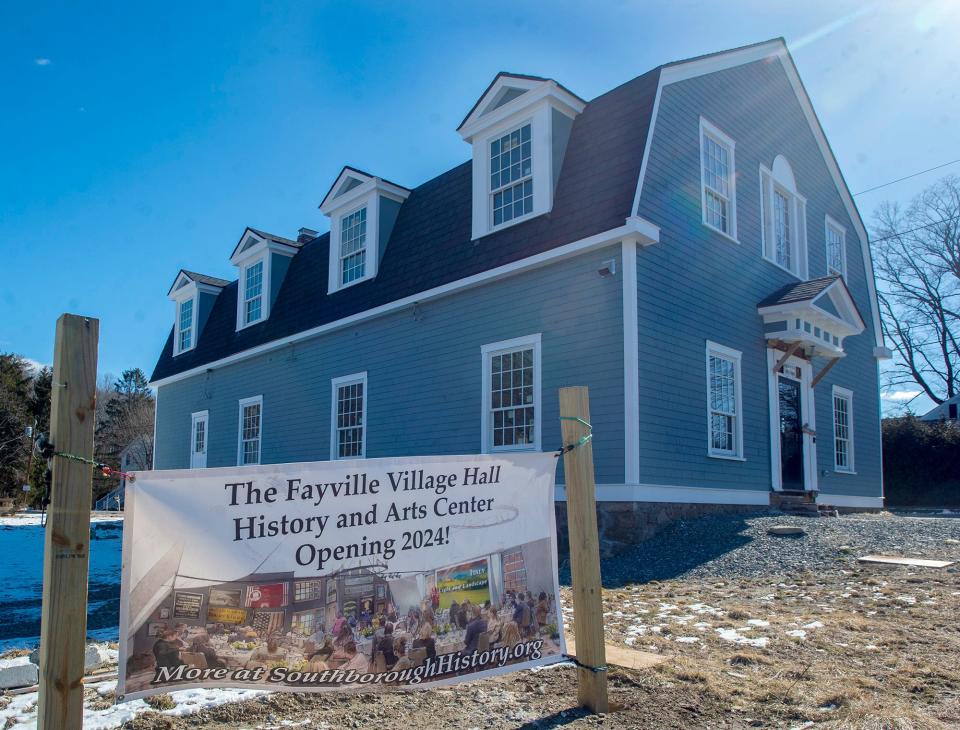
(860, 648)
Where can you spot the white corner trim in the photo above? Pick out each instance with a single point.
(486, 352)
(631, 228)
(335, 384)
(631, 364)
(673, 494)
(849, 500)
(882, 353)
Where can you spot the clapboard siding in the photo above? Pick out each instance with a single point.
(423, 373)
(696, 285)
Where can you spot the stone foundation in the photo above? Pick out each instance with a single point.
(622, 524)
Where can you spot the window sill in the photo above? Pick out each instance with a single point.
(726, 235)
(181, 352)
(783, 268)
(726, 457)
(511, 449)
(362, 279)
(503, 226)
(251, 324)
(845, 471)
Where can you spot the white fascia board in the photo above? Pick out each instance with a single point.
(364, 190)
(584, 245)
(548, 91)
(775, 48)
(818, 316)
(665, 493)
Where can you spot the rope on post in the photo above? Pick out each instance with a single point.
(581, 441)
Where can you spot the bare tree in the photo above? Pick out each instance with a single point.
(917, 262)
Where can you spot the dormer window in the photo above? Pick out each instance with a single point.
(185, 326)
(511, 175)
(262, 259)
(362, 210)
(253, 293)
(353, 246)
(192, 295)
(519, 130)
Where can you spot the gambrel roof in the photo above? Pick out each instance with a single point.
(431, 244)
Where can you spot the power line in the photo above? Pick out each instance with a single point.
(913, 230)
(907, 177)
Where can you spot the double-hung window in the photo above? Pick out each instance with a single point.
(353, 246)
(250, 432)
(783, 219)
(836, 248)
(253, 293)
(511, 393)
(511, 175)
(185, 325)
(349, 422)
(724, 420)
(717, 179)
(842, 429)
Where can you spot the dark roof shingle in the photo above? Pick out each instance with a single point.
(431, 245)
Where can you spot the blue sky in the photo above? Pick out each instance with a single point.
(137, 140)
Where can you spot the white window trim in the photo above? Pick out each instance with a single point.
(335, 384)
(487, 352)
(194, 418)
(846, 393)
(799, 248)
(706, 128)
(541, 152)
(830, 222)
(723, 351)
(491, 226)
(257, 399)
(264, 290)
(370, 245)
(194, 296)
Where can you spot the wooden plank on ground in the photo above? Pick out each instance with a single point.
(621, 657)
(915, 562)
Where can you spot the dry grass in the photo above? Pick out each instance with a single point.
(879, 648)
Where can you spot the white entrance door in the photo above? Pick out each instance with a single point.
(198, 441)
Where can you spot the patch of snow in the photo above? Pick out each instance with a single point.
(909, 600)
(797, 634)
(701, 608)
(758, 622)
(814, 625)
(630, 640)
(735, 637)
(687, 639)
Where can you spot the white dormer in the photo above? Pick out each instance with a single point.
(362, 210)
(262, 260)
(519, 130)
(192, 295)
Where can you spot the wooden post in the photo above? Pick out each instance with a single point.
(584, 550)
(63, 621)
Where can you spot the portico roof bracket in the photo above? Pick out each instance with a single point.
(786, 356)
(823, 371)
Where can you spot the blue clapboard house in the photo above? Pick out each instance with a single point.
(684, 244)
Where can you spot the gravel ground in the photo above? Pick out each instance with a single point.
(757, 631)
(738, 546)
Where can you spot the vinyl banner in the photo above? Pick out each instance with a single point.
(405, 572)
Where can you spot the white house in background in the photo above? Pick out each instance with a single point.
(946, 411)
